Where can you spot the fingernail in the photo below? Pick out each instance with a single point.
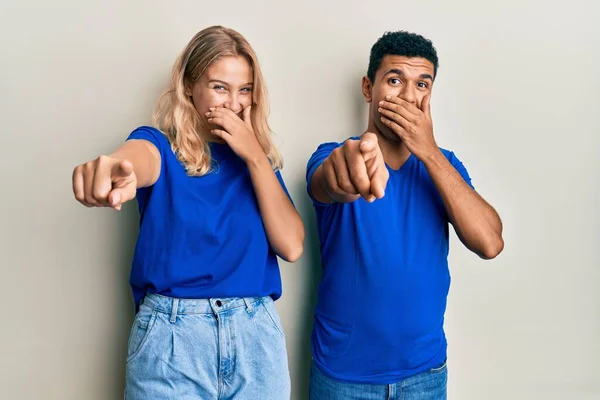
(210, 119)
(207, 114)
(388, 97)
(212, 109)
(381, 103)
(379, 109)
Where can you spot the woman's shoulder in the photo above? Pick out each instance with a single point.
(149, 133)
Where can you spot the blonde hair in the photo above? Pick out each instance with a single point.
(176, 116)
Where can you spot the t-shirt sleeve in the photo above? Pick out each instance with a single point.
(316, 159)
(282, 183)
(458, 165)
(161, 142)
(150, 134)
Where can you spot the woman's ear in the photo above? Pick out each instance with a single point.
(188, 89)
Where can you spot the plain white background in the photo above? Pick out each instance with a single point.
(516, 98)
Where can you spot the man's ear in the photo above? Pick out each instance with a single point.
(367, 89)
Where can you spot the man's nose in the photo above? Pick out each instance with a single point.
(408, 93)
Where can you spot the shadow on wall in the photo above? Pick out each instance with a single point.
(312, 257)
(312, 252)
(125, 239)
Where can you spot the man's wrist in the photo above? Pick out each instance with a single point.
(433, 157)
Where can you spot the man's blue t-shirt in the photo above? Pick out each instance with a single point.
(201, 237)
(382, 298)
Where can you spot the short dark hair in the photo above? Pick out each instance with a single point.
(401, 43)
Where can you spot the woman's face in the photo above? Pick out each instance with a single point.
(227, 83)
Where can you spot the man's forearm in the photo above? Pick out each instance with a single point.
(476, 222)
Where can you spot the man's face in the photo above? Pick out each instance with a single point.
(409, 78)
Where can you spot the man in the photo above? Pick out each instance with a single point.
(383, 203)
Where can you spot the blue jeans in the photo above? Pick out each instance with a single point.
(429, 385)
(207, 349)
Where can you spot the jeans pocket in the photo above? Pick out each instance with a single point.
(142, 326)
(441, 368)
(271, 311)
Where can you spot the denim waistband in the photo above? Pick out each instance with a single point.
(177, 306)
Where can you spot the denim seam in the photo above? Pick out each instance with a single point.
(272, 319)
(439, 369)
(142, 344)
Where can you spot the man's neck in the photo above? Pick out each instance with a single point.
(395, 153)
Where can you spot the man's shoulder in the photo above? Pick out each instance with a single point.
(334, 144)
(325, 148)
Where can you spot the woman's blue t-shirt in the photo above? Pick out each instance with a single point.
(201, 237)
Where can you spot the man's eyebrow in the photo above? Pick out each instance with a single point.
(394, 71)
(397, 71)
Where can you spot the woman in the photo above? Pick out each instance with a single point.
(215, 213)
